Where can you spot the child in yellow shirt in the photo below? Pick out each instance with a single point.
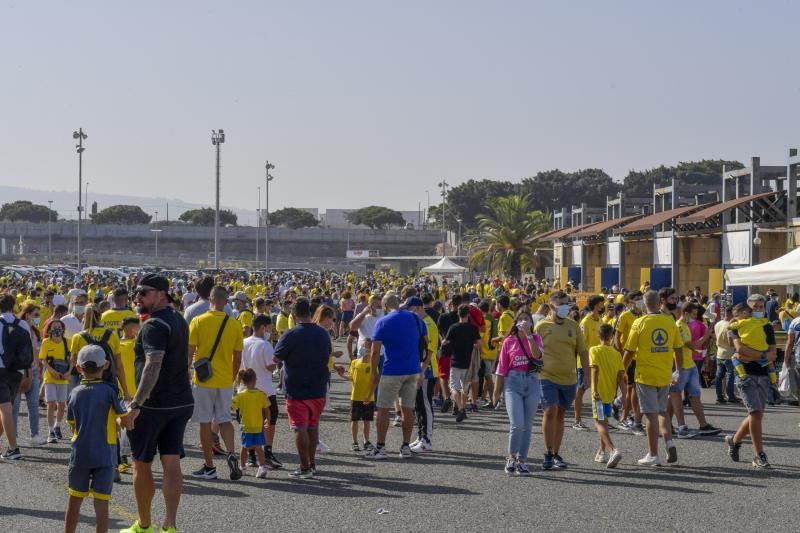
(607, 374)
(253, 407)
(360, 410)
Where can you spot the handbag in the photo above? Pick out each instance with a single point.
(534, 365)
(202, 367)
(60, 365)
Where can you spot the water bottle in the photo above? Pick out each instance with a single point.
(601, 415)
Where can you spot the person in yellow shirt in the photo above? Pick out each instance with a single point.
(590, 326)
(425, 392)
(215, 363)
(655, 343)
(607, 374)
(488, 352)
(46, 308)
(282, 321)
(113, 318)
(55, 357)
(253, 407)
(130, 328)
(361, 410)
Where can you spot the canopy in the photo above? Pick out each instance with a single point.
(444, 266)
(784, 270)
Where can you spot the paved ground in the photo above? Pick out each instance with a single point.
(460, 486)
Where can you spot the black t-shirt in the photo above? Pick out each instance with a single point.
(462, 337)
(431, 312)
(168, 332)
(445, 321)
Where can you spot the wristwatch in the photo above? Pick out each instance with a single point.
(134, 405)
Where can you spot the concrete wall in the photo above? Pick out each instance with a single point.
(636, 255)
(337, 218)
(595, 257)
(696, 256)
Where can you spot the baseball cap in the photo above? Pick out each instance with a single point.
(413, 301)
(241, 296)
(155, 281)
(91, 357)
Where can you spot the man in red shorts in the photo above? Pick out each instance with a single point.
(304, 351)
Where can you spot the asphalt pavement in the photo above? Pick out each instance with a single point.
(460, 486)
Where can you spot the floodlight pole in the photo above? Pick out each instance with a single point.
(217, 138)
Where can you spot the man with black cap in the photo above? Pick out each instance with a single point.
(163, 403)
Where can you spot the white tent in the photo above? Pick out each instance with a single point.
(444, 266)
(784, 270)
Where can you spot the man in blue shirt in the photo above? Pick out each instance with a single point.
(403, 335)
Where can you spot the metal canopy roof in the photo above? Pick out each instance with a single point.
(709, 212)
(649, 222)
(566, 232)
(600, 227)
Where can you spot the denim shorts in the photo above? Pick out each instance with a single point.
(581, 373)
(555, 394)
(689, 379)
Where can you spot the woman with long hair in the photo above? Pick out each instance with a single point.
(55, 357)
(30, 382)
(517, 364)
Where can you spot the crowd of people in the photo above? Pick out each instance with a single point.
(127, 364)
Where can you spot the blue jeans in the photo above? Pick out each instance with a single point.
(32, 402)
(522, 393)
(725, 374)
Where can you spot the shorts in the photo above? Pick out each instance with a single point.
(689, 379)
(273, 410)
(347, 316)
(360, 411)
(444, 366)
(555, 394)
(212, 405)
(632, 373)
(252, 440)
(304, 414)
(606, 410)
(95, 481)
(458, 379)
(488, 367)
(753, 392)
(390, 388)
(581, 378)
(55, 393)
(9, 385)
(652, 399)
(159, 430)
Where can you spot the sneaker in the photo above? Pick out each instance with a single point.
(638, 430)
(314, 470)
(447, 405)
(547, 464)
(301, 473)
(422, 446)
(624, 426)
(272, 461)
(355, 447)
(461, 416)
(51, 437)
(124, 468)
(205, 472)
(11, 454)
(38, 440)
(376, 453)
(760, 461)
(486, 404)
(438, 402)
(611, 427)
(499, 405)
(522, 469)
(579, 426)
(405, 452)
(684, 433)
(117, 476)
(398, 421)
(251, 459)
(218, 451)
(136, 528)
(233, 465)
(511, 467)
(722, 401)
(649, 460)
(733, 448)
(558, 462)
(672, 452)
(262, 472)
(322, 447)
(601, 457)
(57, 431)
(473, 407)
(613, 461)
(368, 446)
(708, 429)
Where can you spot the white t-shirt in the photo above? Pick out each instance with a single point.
(189, 298)
(258, 354)
(366, 329)
(71, 326)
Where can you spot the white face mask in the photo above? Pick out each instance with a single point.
(79, 309)
(639, 305)
(524, 325)
(562, 311)
(758, 314)
(379, 313)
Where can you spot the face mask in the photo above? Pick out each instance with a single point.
(639, 305)
(56, 332)
(523, 324)
(758, 314)
(79, 309)
(36, 320)
(379, 313)
(671, 306)
(562, 311)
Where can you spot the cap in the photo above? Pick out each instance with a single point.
(59, 300)
(241, 296)
(413, 301)
(155, 281)
(91, 357)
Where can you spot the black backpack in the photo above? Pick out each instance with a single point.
(110, 373)
(17, 347)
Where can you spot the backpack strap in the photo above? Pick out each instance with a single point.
(106, 336)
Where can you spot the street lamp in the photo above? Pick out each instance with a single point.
(443, 184)
(427, 208)
(458, 246)
(156, 231)
(49, 232)
(258, 223)
(80, 137)
(269, 177)
(217, 138)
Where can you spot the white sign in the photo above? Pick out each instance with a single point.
(736, 248)
(363, 254)
(612, 255)
(662, 251)
(577, 255)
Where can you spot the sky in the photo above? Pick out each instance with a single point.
(374, 102)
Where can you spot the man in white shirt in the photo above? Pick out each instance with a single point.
(258, 355)
(73, 322)
(365, 321)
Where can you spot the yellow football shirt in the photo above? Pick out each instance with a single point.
(433, 343)
(654, 338)
(505, 323)
(590, 328)
(128, 357)
(686, 337)
(202, 334)
(361, 372)
(562, 343)
(112, 319)
(55, 351)
(97, 334)
(251, 404)
(608, 361)
(751, 332)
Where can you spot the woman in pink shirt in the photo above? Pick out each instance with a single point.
(519, 360)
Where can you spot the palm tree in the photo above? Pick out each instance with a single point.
(504, 239)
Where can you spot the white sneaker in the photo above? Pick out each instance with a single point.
(322, 447)
(613, 461)
(405, 452)
(262, 472)
(413, 444)
(376, 453)
(422, 447)
(38, 440)
(601, 457)
(649, 460)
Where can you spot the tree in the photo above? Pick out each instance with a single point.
(25, 211)
(293, 218)
(121, 214)
(435, 217)
(554, 189)
(504, 239)
(705, 172)
(205, 217)
(468, 200)
(376, 217)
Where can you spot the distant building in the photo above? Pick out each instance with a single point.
(337, 218)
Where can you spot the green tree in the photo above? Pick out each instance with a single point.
(376, 217)
(293, 218)
(468, 200)
(554, 189)
(504, 241)
(435, 217)
(25, 211)
(121, 214)
(639, 183)
(205, 217)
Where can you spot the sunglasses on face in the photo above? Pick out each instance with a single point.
(142, 291)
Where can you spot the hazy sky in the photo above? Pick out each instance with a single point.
(373, 102)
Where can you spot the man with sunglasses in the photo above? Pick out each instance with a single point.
(163, 403)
